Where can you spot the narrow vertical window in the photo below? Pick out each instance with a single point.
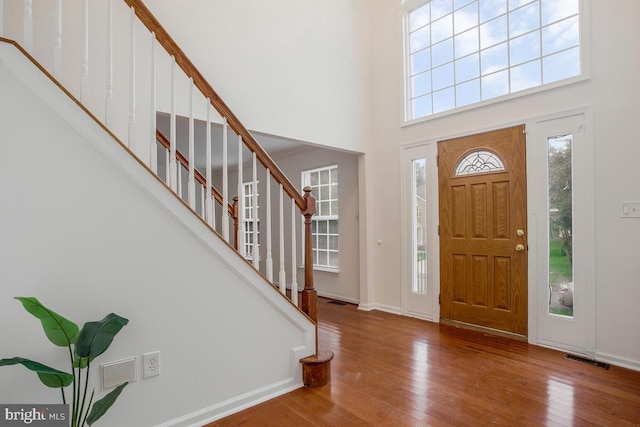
(419, 199)
(250, 223)
(560, 225)
(324, 224)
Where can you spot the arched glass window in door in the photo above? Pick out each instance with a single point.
(479, 161)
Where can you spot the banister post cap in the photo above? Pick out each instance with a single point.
(310, 209)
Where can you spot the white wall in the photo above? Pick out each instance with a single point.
(293, 68)
(87, 230)
(612, 92)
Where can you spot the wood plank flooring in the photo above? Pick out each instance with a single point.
(390, 370)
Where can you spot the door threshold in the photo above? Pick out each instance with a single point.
(479, 328)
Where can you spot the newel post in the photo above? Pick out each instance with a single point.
(309, 294)
(316, 369)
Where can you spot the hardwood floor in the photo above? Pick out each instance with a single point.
(390, 370)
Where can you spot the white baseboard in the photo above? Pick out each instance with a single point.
(553, 345)
(420, 316)
(595, 355)
(233, 405)
(382, 307)
(618, 361)
(338, 297)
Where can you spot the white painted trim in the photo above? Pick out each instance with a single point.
(234, 405)
(420, 316)
(1, 18)
(366, 231)
(338, 297)
(619, 361)
(384, 307)
(366, 307)
(430, 152)
(545, 329)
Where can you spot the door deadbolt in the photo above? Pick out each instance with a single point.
(519, 233)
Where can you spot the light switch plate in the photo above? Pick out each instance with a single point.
(629, 209)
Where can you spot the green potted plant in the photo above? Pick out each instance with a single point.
(84, 345)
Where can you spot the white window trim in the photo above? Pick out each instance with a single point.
(247, 255)
(304, 175)
(585, 58)
(544, 328)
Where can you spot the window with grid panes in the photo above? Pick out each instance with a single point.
(324, 224)
(250, 223)
(462, 52)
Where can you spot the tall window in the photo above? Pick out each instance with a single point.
(250, 246)
(419, 198)
(460, 52)
(560, 225)
(324, 224)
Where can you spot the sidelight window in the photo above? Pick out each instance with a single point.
(560, 225)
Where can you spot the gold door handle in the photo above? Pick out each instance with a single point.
(519, 247)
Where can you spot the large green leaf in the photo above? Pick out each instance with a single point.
(60, 331)
(81, 362)
(102, 406)
(95, 337)
(49, 376)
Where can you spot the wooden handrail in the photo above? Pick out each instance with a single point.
(306, 204)
(165, 40)
(162, 140)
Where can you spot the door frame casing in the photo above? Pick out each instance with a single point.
(545, 325)
(430, 151)
(534, 288)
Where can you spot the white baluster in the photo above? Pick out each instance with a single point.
(254, 214)
(202, 201)
(191, 186)
(225, 183)
(179, 180)
(269, 260)
(108, 103)
(84, 58)
(132, 84)
(1, 18)
(173, 179)
(283, 275)
(241, 222)
(153, 149)
(294, 266)
(57, 41)
(27, 25)
(209, 200)
(167, 167)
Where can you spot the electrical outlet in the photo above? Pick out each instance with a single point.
(150, 364)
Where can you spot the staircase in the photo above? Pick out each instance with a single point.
(131, 74)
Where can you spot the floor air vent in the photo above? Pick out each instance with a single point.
(334, 302)
(587, 361)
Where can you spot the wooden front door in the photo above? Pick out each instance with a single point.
(483, 230)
